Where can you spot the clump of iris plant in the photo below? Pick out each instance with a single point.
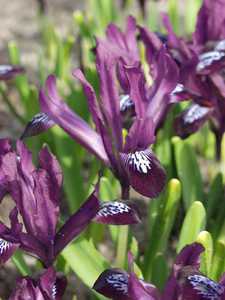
(49, 286)
(120, 75)
(36, 194)
(201, 66)
(185, 281)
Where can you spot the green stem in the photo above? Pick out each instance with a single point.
(11, 107)
(20, 263)
(122, 246)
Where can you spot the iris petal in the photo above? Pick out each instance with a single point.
(113, 283)
(6, 250)
(145, 173)
(116, 213)
(39, 123)
(206, 287)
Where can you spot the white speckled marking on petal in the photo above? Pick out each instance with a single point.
(119, 282)
(125, 103)
(113, 208)
(208, 58)
(4, 246)
(139, 161)
(206, 287)
(195, 113)
(5, 68)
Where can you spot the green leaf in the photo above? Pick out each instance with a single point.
(21, 264)
(194, 223)
(215, 196)
(160, 271)
(85, 260)
(218, 266)
(165, 215)
(205, 239)
(188, 172)
(20, 80)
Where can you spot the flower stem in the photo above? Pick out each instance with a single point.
(122, 246)
(11, 107)
(123, 233)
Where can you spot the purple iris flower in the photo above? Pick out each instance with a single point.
(122, 85)
(184, 282)
(201, 62)
(121, 285)
(36, 193)
(49, 286)
(8, 72)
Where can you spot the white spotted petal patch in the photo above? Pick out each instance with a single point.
(6, 250)
(116, 213)
(126, 103)
(113, 283)
(39, 123)
(119, 282)
(208, 59)
(139, 161)
(195, 113)
(145, 173)
(206, 287)
(54, 291)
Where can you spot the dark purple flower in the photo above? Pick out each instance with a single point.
(120, 285)
(188, 258)
(201, 63)
(10, 71)
(36, 193)
(49, 286)
(131, 160)
(191, 119)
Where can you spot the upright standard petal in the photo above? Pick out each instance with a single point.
(210, 22)
(52, 284)
(26, 289)
(165, 83)
(63, 116)
(188, 257)
(109, 95)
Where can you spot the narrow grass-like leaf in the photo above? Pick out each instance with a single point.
(193, 224)
(215, 196)
(162, 225)
(160, 271)
(205, 239)
(188, 172)
(85, 260)
(21, 264)
(218, 266)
